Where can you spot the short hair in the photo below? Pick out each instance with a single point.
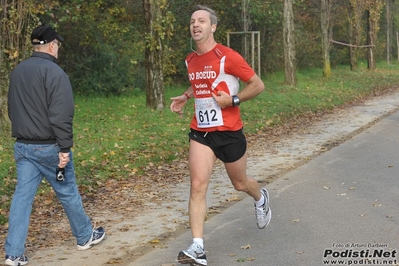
(212, 13)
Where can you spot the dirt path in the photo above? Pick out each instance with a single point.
(147, 212)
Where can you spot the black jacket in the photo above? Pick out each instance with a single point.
(40, 102)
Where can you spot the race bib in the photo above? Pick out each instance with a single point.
(208, 113)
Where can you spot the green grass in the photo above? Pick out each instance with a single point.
(119, 137)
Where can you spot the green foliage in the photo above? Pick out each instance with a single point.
(267, 17)
(104, 49)
(113, 33)
(105, 72)
(17, 21)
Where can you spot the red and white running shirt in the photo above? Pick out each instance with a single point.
(218, 70)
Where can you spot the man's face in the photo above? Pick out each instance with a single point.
(54, 47)
(200, 25)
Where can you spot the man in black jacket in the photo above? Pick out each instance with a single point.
(41, 109)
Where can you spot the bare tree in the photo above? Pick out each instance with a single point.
(289, 43)
(356, 9)
(395, 23)
(326, 35)
(246, 27)
(389, 29)
(374, 8)
(156, 34)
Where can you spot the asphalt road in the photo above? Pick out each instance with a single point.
(341, 206)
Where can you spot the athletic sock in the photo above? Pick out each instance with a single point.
(199, 241)
(260, 202)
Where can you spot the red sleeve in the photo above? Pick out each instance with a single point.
(237, 66)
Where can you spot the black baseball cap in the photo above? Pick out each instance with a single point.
(44, 34)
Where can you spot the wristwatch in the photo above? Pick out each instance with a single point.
(236, 100)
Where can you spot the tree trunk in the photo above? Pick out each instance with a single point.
(326, 30)
(397, 44)
(371, 40)
(155, 98)
(371, 51)
(4, 70)
(246, 26)
(357, 8)
(389, 27)
(3, 104)
(289, 44)
(373, 18)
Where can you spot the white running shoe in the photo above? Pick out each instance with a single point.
(264, 213)
(194, 255)
(16, 261)
(96, 237)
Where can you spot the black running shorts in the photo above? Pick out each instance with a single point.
(228, 146)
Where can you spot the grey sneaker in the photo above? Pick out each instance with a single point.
(16, 261)
(194, 255)
(264, 213)
(96, 237)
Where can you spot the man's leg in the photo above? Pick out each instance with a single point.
(201, 161)
(237, 172)
(28, 181)
(68, 194)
